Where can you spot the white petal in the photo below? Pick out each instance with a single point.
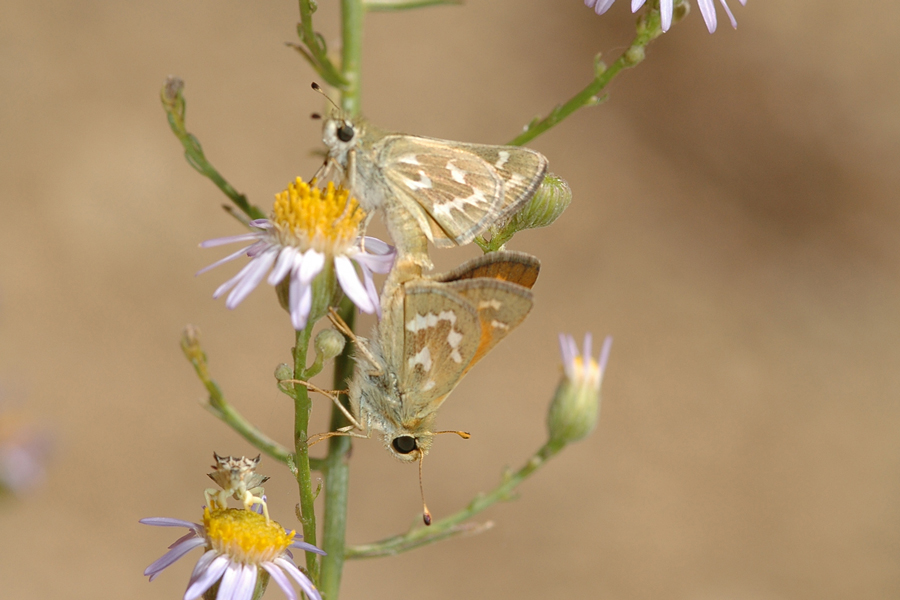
(207, 578)
(231, 239)
(174, 553)
(300, 301)
(243, 589)
(167, 522)
(600, 6)
(665, 11)
(222, 261)
(708, 10)
(636, 4)
(287, 259)
(229, 582)
(305, 584)
(351, 284)
(261, 265)
(370, 289)
(378, 263)
(311, 266)
(281, 579)
(728, 11)
(203, 563)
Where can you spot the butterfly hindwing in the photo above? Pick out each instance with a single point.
(501, 307)
(516, 267)
(441, 335)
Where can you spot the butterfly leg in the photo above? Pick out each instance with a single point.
(343, 431)
(339, 324)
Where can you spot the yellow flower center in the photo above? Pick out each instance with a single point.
(307, 216)
(587, 374)
(245, 536)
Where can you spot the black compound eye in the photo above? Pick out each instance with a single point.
(345, 132)
(404, 444)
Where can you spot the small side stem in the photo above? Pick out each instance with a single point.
(173, 102)
(217, 405)
(648, 28)
(453, 525)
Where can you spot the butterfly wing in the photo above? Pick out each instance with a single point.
(441, 335)
(462, 188)
(516, 267)
(501, 307)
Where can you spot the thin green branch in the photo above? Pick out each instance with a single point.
(647, 29)
(453, 525)
(173, 102)
(217, 405)
(314, 49)
(302, 408)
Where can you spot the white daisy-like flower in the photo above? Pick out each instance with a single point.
(666, 8)
(576, 403)
(311, 230)
(242, 551)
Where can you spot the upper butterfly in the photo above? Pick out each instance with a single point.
(444, 191)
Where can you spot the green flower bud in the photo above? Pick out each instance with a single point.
(329, 343)
(576, 403)
(284, 372)
(547, 204)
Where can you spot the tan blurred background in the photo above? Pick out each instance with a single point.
(734, 227)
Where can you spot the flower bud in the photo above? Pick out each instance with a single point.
(284, 372)
(576, 403)
(547, 204)
(329, 343)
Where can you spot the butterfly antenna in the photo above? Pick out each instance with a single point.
(316, 87)
(426, 514)
(463, 434)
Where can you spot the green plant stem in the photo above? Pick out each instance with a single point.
(313, 48)
(173, 101)
(217, 405)
(302, 407)
(337, 473)
(337, 468)
(352, 16)
(453, 525)
(647, 29)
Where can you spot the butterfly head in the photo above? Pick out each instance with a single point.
(340, 136)
(408, 447)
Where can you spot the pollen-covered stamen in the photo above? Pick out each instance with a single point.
(245, 536)
(326, 220)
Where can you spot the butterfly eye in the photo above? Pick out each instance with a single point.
(345, 132)
(404, 444)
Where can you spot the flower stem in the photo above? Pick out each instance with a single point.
(173, 102)
(647, 29)
(312, 47)
(302, 406)
(217, 405)
(453, 525)
(352, 16)
(336, 468)
(337, 474)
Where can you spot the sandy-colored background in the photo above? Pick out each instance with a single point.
(735, 227)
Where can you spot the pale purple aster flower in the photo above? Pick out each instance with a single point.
(310, 227)
(666, 8)
(238, 544)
